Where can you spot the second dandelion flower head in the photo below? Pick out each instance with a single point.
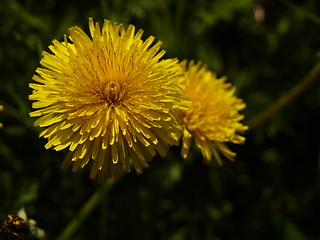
(213, 120)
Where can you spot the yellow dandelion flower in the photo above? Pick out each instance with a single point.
(213, 118)
(1, 108)
(15, 228)
(108, 98)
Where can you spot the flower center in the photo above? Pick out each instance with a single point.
(112, 93)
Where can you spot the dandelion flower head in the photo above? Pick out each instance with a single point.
(213, 118)
(108, 98)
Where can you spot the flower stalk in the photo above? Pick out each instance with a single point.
(86, 210)
(284, 100)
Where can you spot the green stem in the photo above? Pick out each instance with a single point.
(286, 98)
(302, 12)
(26, 16)
(85, 211)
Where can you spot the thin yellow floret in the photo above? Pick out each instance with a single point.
(1, 108)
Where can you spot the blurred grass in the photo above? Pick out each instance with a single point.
(270, 192)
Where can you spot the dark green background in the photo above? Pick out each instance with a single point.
(270, 192)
